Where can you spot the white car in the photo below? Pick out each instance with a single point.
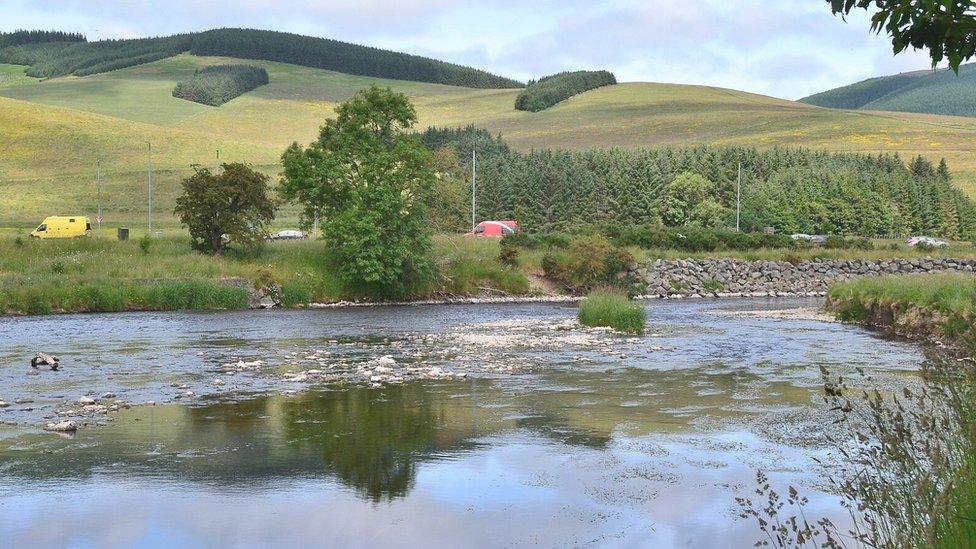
(811, 238)
(288, 234)
(926, 240)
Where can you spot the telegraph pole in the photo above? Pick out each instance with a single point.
(149, 172)
(738, 197)
(98, 186)
(474, 178)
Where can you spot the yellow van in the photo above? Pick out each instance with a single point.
(58, 226)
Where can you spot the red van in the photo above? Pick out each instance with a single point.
(495, 228)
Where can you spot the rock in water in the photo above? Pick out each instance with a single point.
(62, 427)
(43, 359)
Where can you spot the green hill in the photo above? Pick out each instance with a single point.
(55, 129)
(934, 92)
(60, 57)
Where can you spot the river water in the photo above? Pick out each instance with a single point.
(555, 436)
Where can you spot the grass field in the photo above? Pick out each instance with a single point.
(68, 275)
(54, 130)
(14, 75)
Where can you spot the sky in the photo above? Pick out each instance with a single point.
(783, 48)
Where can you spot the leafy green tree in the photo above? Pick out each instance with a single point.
(233, 206)
(947, 28)
(368, 180)
(682, 196)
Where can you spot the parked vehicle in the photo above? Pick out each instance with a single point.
(811, 238)
(57, 226)
(927, 241)
(496, 229)
(288, 234)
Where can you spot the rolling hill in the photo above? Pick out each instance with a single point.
(933, 92)
(53, 130)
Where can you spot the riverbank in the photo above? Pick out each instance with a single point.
(939, 308)
(104, 275)
(916, 479)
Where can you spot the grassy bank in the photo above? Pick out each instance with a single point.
(613, 310)
(941, 306)
(913, 482)
(102, 274)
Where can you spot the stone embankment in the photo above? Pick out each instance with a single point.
(738, 278)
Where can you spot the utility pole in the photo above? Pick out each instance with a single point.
(217, 167)
(474, 178)
(98, 186)
(149, 171)
(738, 197)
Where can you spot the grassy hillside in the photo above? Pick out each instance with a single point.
(57, 54)
(14, 75)
(59, 126)
(934, 92)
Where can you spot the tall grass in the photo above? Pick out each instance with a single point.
(102, 274)
(950, 300)
(27, 296)
(614, 310)
(908, 475)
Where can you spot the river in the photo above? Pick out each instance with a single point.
(533, 431)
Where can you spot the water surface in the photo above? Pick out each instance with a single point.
(558, 436)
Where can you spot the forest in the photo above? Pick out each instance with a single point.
(550, 90)
(322, 53)
(20, 37)
(218, 84)
(790, 190)
(935, 92)
(49, 59)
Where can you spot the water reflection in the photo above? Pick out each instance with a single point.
(609, 444)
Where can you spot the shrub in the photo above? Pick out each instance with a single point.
(589, 262)
(614, 310)
(218, 84)
(145, 244)
(508, 254)
(553, 89)
(293, 294)
(834, 242)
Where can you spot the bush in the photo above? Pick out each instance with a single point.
(294, 294)
(834, 242)
(508, 254)
(559, 87)
(218, 84)
(614, 310)
(589, 262)
(145, 244)
(697, 239)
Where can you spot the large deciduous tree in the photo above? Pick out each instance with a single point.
(233, 206)
(947, 28)
(368, 180)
